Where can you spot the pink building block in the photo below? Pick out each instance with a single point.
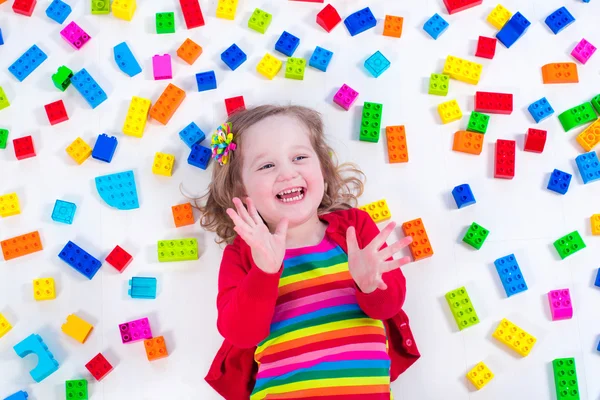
(134, 331)
(345, 97)
(560, 304)
(162, 67)
(75, 36)
(583, 51)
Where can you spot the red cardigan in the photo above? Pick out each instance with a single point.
(247, 298)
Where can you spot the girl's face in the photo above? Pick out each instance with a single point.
(281, 171)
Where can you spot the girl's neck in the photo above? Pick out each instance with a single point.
(310, 233)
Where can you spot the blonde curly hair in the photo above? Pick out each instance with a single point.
(344, 183)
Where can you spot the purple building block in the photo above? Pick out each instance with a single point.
(560, 304)
(345, 97)
(134, 331)
(162, 67)
(583, 51)
(75, 36)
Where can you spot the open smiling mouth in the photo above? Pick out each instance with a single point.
(291, 195)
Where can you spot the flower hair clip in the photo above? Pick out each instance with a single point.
(222, 143)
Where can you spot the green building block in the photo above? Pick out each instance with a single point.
(438, 84)
(3, 99)
(76, 389)
(294, 68)
(478, 122)
(370, 124)
(260, 20)
(165, 22)
(565, 379)
(177, 250)
(100, 6)
(62, 78)
(569, 244)
(3, 138)
(462, 308)
(577, 116)
(476, 235)
(596, 103)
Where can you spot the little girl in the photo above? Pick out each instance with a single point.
(309, 296)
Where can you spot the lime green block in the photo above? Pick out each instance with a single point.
(438, 84)
(3, 99)
(462, 308)
(569, 244)
(100, 6)
(577, 116)
(476, 235)
(294, 68)
(260, 20)
(370, 124)
(177, 250)
(478, 122)
(565, 379)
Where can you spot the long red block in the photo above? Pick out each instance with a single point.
(24, 147)
(494, 103)
(328, 17)
(535, 140)
(504, 163)
(454, 6)
(192, 13)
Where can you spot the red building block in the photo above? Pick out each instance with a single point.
(56, 112)
(119, 258)
(234, 104)
(486, 47)
(494, 103)
(535, 140)
(24, 7)
(328, 18)
(504, 164)
(191, 13)
(24, 147)
(455, 6)
(99, 367)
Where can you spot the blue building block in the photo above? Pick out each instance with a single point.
(287, 44)
(33, 344)
(104, 148)
(1, 38)
(513, 30)
(435, 26)
(20, 395)
(118, 190)
(510, 275)
(206, 81)
(233, 57)
(320, 58)
(589, 167)
(540, 110)
(80, 260)
(142, 288)
(126, 60)
(64, 212)
(191, 135)
(58, 11)
(559, 20)
(360, 21)
(463, 196)
(559, 181)
(199, 156)
(597, 282)
(88, 88)
(27, 63)
(377, 64)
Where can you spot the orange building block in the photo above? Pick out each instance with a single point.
(420, 247)
(21, 245)
(396, 144)
(156, 348)
(560, 73)
(183, 215)
(189, 51)
(590, 137)
(393, 26)
(166, 105)
(468, 142)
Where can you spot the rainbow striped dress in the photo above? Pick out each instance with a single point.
(321, 345)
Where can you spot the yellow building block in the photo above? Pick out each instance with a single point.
(9, 205)
(514, 337)
(449, 111)
(499, 16)
(226, 9)
(378, 210)
(4, 326)
(137, 115)
(163, 164)
(463, 70)
(43, 289)
(79, 150)
(77, 328)
(595, 221)
(590, 136)
(269, 66)
(124, 9)
(480, 375)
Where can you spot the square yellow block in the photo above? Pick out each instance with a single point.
(595, 221)
(269, 66)
(43, 289)
(378, 210)
(463, 70)
(9, 205)
(137, 115)
(514, 337)
(124, 9)
(449, 111)
(590, 136)
(4, 326)
(480, 375)
(226, 9)
(499, 16)
(79, 150)
(163, 164)
(77, 328)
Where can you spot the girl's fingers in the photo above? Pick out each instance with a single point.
(389, 251)
(378, 240)
(351, 240)
(392, 265)
(381, 284)
(242, 212)
(281, 229)
(253, 212)
(237, 220)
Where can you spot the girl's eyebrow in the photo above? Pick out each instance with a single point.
(264, 154)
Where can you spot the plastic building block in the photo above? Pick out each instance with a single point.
(462, 309)
(119, 258)
(269, 66)
(260, 20)
(560, 304)
(463, 70)
(63, 211)
(480, 375)
(24, 7)
(476, 235)
(136, 118)
(287, 44)
(79, 150)
(499, 17)
(420, 247)
(226, 9)
(583, 51)
(77, 328)
(468, 142)
(104, 148)
(392, 26)
(535, 140)
(191, 135)
(494, 103)
(377, 64)
(577, 116)
(88, 88)
(3, 99)
(142, 288)
(24, 147)
(156, 348)
(43, 289)
(320, 58)
(560, 73)
(3, 138)
(21, 245)
(233, 57)
(165, 22)
(76, 389)
(163, 164)
(56, 112)
(328, 18)
(486, 47)
(559, 20)
(1, 38)
(569, 244)
(192, 13)
(98, 366)
(75, 36)
(590, 137)
(463, 196)
(595, 223)
(377, 210)
(125, 60)
(504, 163)
(540, 110)
(565, 379)
(206, 81)
(234, 104)
(183, 215)
(396, 144)
(9, 205)
(449, 111)
(134, 331)
(62, 78)
(360, 21)
(166, 105)
(5, 326)
(596, 103)
(514, 337)
(345, 97)
(589, 167)
(100, 7)
(20, 395)
(435, 26)
(294, 68)
(513, 30)
(124, 9)
(80, 260)
(58, 11)
(478, 122)
(177, 250)
(161, 67)
(46, 366)
(199, 156)
(27, 63)
(454, 6)
(370, 124)
(438, 84)
(189, 51)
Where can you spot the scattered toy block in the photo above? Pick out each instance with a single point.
(328, 18)
(134, 331)
(294, 68)
(22, 245)
(166, 105)
(27, 63)
(540, 110)
(370, 124)
(46, 365)
(377, 210)
(462, 309)
(392, 26)
(516, 27)
(233, 57)
(499, 17)
(125, 59)
(486, 47)
(420, 247)
(260, 20)
(565, 379)
(161, 67)
(156, 348)
(454, 6)
(136, 118)
(510, 275)
(590, 137)
(105, 147)
(183, 215)
(165, 22)
(100, 7)
(360, 21)
(80, 260)
(449, 111)
(463, 70)
(494, 103)
(56, 112)
(226, 9)
(24, 7)
(177, 250)
(269, 66)
(9, 205)
(3, 99)
(76, 389)
(163, 164)
(438, 84)
(77, 328)
(559, 20)
(24, 147)
(98, 366)
(43, 289)
(64, 212)
(124, 9)
(504, 164)
(476, 235)
(345, 97)
(192, 13)
(199, 156)
(595, 222)
(560, 304)
(20, 395)
(569, 244)
(142, 288)
(233, 104)
(88, 88)
(583, 51)
(206, 81)
(191, 135)
(589, 167)
(119, 258)
(79, 150)
(435, 26)
(377, 64)
(3, 138)
(287, 44)
(463, 196)
(596, 103)
(396, 144)
(58, 11)
(189, 51)
(560, 73)
(480, 375)
(514, 337)
(5, 326)
(75, 36)
(478, 122)
(468, 142)
(62, 78)
(535, 140)
(577, 116)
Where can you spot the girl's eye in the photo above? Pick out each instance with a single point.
(300, 158)
(270, 165)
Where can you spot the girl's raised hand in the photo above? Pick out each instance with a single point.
(368, 265)
(268, 249)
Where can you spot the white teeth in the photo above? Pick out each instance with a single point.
(295, 198)
(289, 191)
